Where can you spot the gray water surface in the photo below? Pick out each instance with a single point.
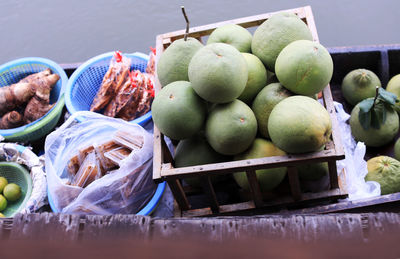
(76, 30)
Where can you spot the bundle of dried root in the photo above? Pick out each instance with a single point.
(30, 97)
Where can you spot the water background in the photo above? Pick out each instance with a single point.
(69, 31)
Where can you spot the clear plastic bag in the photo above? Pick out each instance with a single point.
(125, 190)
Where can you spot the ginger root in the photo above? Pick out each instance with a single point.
(15, 95)
(11, 120)
(39, 105)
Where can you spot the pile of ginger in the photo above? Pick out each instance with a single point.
(27, 100)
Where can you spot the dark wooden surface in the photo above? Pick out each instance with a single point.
(309, 228)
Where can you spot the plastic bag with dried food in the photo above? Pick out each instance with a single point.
(124, 190)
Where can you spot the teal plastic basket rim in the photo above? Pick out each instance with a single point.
(77, 73)
(29, 188)
(147, 210)
(28, 128)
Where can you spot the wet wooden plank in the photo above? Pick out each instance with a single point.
(304, 228)
(333, 177)
(116, 226)
(45, 226)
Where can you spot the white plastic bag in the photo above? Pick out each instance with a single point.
(123, 191)
(354, 164)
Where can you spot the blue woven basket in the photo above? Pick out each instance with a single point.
(84, 83)
(14, 71)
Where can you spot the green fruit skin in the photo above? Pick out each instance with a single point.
(374, 137)
(386, 171)
(267, 178)
(231, 128)
(304, 67)
(197, 151)
(12, 192)
(359, 84)
(218, 73)
(3, 183)
(313, 172)
(3, 203)
(174, 61)
(299, 124)
(275, 34)
(178, 111)
(257, 78)
(397, 149)
(393, 85)
(264, 102)
(232, 34)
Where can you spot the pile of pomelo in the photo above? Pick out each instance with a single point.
(374, 121)
(245, 96)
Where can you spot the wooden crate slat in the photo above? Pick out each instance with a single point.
(328, 100)
(293, 176)
(209, 191)
(254, 164)
(246, 22)
(179, 194)
(254, 188)
(333, 174)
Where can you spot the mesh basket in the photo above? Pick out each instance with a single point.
(84, 83)
(14, 71)
(17, 174)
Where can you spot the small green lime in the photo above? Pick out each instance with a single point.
(3, 203)
(3, 183)
(12, 192)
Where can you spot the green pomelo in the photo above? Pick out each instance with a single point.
(3, 203)
(197, 151)
(264, 102)
(304, 67)
(3, 183)
(231, 128)
(299, 124)
(218, 73)
(374, 137)
(386, 171)
(267, 178)
(257, 78)
(178, 111)
(313, 172)
(174, 61)
(275, 34)
(397, 149)
(12, 192)
(359, 84)
(393, 85)
(232, 34)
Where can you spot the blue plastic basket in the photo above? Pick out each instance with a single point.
(84, 83)
(147, 210)
(14, 71)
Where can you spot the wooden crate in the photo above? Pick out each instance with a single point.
(163, 169)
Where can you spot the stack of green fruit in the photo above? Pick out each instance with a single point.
(9, 192)
(222, 101)
(374, 120)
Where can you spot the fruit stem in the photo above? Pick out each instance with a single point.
(376, 95)
(187, 23)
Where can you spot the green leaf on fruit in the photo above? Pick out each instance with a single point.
(386, 96)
